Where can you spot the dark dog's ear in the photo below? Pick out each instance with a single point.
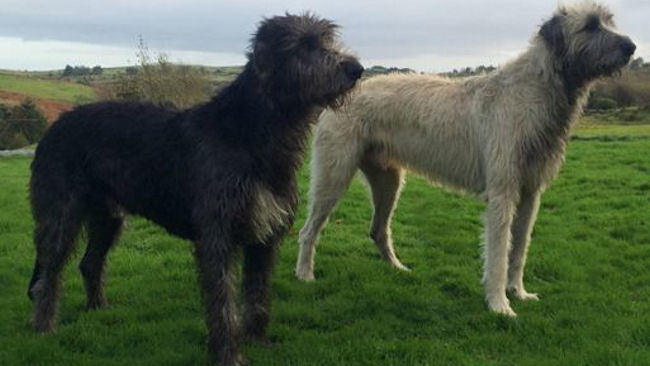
(260, 56)
(551, 32)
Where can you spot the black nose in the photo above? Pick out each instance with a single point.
(352, 69)
(628, 47)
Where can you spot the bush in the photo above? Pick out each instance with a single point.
(21, 125)
(76, 71)
(631, 88)
(162, 82)
(601, 103)
(380, 70)
(13, 140)
(629, 115)
(31, 120)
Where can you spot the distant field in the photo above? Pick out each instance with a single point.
(628, 116)
(589, 260)
(216, 74)
(46, 89)
(604, 129)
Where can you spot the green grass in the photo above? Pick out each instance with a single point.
(48, 89)
(609, 131)
(589, 260)
(628, 116)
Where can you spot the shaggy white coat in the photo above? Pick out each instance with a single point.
(501, 136)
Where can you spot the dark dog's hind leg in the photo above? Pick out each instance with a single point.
(103, 228)
(54, 237)
(258, 264)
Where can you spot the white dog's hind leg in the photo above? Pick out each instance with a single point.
(522, 228)
(498, 220)
(385, 185)
(319, 212)
(332, 171)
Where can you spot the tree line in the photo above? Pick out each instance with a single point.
(629, 89)
(75, 71)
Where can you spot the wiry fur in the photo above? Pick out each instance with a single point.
(501, 136)
(222, 174)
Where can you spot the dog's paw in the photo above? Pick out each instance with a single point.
(526, 296)
(397, 264)
(261, 341)
(96, 303)
(501, 306)
(239, 360)
(522, 294)
(44, 326)
(305, 275)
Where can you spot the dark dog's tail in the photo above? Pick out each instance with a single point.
(57, 212)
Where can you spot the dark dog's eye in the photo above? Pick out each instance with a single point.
(593, 24)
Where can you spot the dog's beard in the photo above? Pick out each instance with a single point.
(612, 65)
(338, 101)
(341, 98)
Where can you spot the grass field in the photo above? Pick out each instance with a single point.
(589, 260)
(48, 89)
(612, 131)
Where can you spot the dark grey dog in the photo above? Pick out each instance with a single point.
(222, 174)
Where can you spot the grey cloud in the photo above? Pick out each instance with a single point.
(376, 29)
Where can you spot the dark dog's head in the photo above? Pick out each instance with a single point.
(299, 60)
(583, 39)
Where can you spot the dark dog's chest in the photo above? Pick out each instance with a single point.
(268, 212)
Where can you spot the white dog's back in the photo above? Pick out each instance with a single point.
(502, 134)
(396, 117)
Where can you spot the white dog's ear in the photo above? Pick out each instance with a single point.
(553, 35)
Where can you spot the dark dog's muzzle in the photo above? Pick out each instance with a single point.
(627, 46)
(352, 68)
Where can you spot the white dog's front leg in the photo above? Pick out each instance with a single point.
(522, 228)
(498, 220)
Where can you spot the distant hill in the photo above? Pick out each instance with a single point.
(216, 74)
(53, 92)
(39, 87)
(50, 95)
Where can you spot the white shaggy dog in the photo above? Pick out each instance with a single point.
(501, 136)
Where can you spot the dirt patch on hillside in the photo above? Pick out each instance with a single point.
(51, 108)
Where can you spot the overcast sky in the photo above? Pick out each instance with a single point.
(428, 35)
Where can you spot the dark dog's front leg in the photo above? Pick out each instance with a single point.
(258, 264)
(215, 259)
